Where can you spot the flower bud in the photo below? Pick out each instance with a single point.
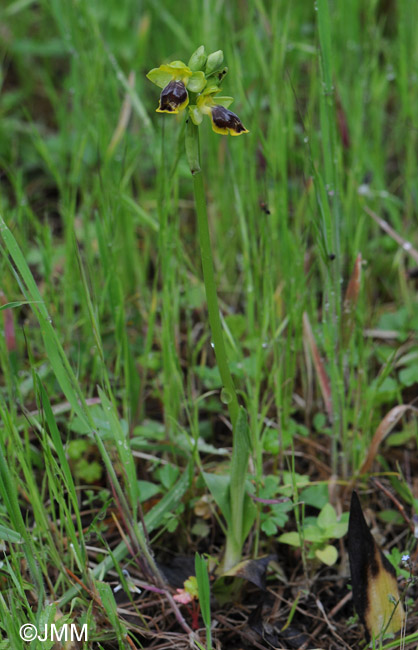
(214, 61)
(198, 59)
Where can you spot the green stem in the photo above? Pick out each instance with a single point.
(193, 156)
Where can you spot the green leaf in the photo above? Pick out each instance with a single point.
(109, 605)
(171, 523)
(10, 535)
(409, 376)
(147, 490)
(315, 495)
(290, 538)
(269, 527)
(327, 516)
(273, 441)
(168, 503)
(88, 471)
(313, 534)
(11, 305)
(390, 516)
(77, 448)
(112, 421)
(203, 587)
(400, 438)
(336, 531)
(167, 474)
(149, 430)
(218, 486)
(279, 510)
(382, 392)
(327, 555)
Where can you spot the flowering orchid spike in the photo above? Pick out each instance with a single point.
(174, 78)
(178, 79)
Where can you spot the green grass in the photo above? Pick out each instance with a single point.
(107, 338)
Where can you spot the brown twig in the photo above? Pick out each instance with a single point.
(404, 243)
(319, 366)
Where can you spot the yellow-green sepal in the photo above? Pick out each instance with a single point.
(195, 114)
(198, 59)
(211, 88)
(176, 70)
(196, 82)
(224, 101)
(173, 66)
(159, 77)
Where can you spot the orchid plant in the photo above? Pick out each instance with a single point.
(197, 88)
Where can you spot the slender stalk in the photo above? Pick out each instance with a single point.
(332, 228)
(193, 156)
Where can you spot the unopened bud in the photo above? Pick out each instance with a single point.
(214, 61)
(198, 59)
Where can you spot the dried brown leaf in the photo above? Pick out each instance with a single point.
(385, 427)
(319, 366)
(351, 300)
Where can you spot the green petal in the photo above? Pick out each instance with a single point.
(160, 77)
(178, 70)
(224, 101)
(195, 115)
(211, 88)
(179, 65)
(196, 82)
(204, 103)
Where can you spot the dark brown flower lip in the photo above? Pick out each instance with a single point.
(173, 97)
(225, 119)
